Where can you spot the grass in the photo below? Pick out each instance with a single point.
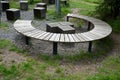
(93, 1)
(31, 70)
(51, 14)
(85, 9)
(3, 25)
(26, 71)
(110, 70)
(15, 4)
(45, 67)
(4, 43)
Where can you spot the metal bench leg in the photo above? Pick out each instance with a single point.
(90, 47)
(27, 40)
(67, 18)
(55, 48)
(89, 25)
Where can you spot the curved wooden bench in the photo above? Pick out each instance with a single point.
(100, 30)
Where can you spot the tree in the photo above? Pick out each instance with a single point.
(109, 8)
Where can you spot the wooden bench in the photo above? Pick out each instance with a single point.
(100, 30)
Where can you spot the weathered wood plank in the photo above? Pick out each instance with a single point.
(67, 38)
(62, 38)
(100, 30)
(82, 37)
(43, 36)
(88, 38)
(48, 37)
(75, 38)
(43, 33)
(57, 38)
(71, 38)
(53, 37)
(31, 32)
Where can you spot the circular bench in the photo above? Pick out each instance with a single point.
(100, 30)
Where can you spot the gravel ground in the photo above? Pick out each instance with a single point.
(38, 46)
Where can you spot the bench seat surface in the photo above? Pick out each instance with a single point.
(100, 30)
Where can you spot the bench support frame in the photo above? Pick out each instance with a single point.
(89, 26)
(90, 46)
(27, 40)
(55, 46)
(90, 43)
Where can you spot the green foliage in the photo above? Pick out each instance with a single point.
(51, 14)
(32, 69)
(115, 24)
(110, 70)
(105, 43)
(109, 8)
(1, 58)
(83, 7)
(3, 25)
(14, 4)
(4, 43)
(9, 72)
(18, 50)
(34, 1)
(93, 1)
(65, 11)
(59, 70)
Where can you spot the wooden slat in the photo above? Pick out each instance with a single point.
(92, 36)
(43, 33)
(96, 33)
(88, 38)
(31, 33)
(76, 35)
(43, 36)
(48, 37)
(75, 38)
(62, 38)
(71, 38)
(37, 34)
(101, 32)
(53, 37)
(82, 37)
(66, 38)
(79, 37)
(57, 38)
